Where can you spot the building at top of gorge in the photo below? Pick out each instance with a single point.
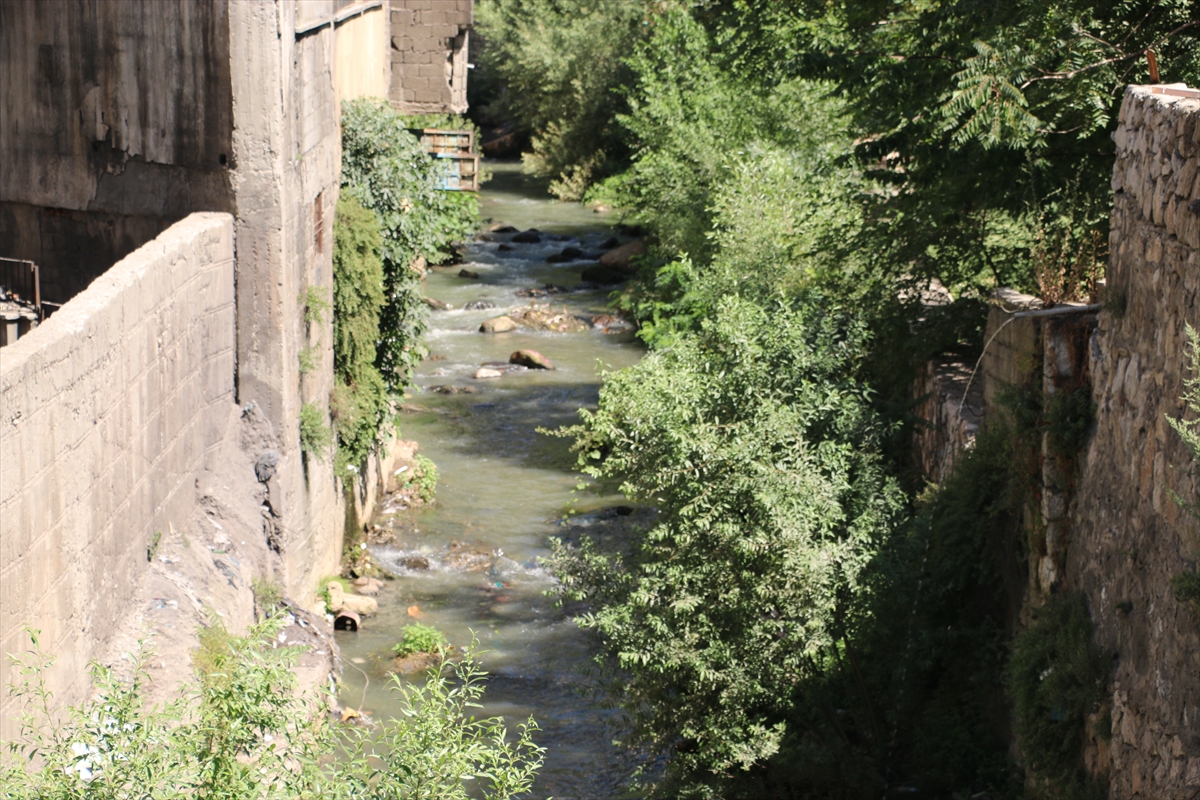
(172, 168)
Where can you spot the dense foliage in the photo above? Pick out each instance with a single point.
(756, 446)
(245, 732)
(829, 168)
(385, 169)
(1057, 676)
(359, 404)
(561, 69)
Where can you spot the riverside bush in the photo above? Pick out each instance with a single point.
(244, 732)
(385, 170)
(419, 639)
(758, 449)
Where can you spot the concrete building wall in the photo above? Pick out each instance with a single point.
(430, 41)
(288, 146)
(109, 411)
(362, 56)
(1127, 536)
(115, 119)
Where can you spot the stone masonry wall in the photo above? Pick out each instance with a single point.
(429, 55)
(108, 412)
(1128, 538)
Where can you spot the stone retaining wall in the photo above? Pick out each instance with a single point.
(1128, 538)
(107, 412)
(429, 55)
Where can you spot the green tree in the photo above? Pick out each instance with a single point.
(756, 446)
(560, 63)
(385, 169)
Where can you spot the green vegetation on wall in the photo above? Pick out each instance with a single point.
(1057, 676)
(387, 172)
(359, 404)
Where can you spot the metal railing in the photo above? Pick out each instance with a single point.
(19, 279)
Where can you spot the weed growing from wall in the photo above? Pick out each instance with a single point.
(315, 435)
(1186, 585)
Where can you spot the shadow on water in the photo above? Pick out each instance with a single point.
(470, 564)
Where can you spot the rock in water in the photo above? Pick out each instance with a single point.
(621, 257)
(531, 236)
(466, 273)
(437, 305)
(501, 324)
(530, 358)
(479, 305)
(598, 273)
(503, 229)
(340, 601)
(487, 372)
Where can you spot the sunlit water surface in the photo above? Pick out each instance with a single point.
(503, 491)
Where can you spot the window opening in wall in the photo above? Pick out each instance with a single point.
(319, 223)
(20, 299)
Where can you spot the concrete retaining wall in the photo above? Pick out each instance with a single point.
(107, 412)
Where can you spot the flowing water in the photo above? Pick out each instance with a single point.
(503, 491)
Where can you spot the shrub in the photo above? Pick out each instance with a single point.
(385, 170)
(359, 402)
(245, 733)
(1056, 676)
(268, 595)
(758, 450)
(315, 436)
(419, 639)
(425, 477)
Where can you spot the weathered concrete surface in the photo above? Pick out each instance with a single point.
(108, 414)
(1128, 538)
(429, 55)
(288, 150)
(362, 56)
(115, 120)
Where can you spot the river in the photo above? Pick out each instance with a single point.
(503, 492)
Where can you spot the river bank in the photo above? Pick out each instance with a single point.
(469, 564)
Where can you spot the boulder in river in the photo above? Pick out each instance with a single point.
(487, 372)
(605, 276)
(437, 305)
(503, 229)
(621, 257)
(530, 358)
(479, 305)
(567, 254)
(501, 324)
(504, 248)
(340, 601)
(610, 243)
(466, 273)
(531, 236)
